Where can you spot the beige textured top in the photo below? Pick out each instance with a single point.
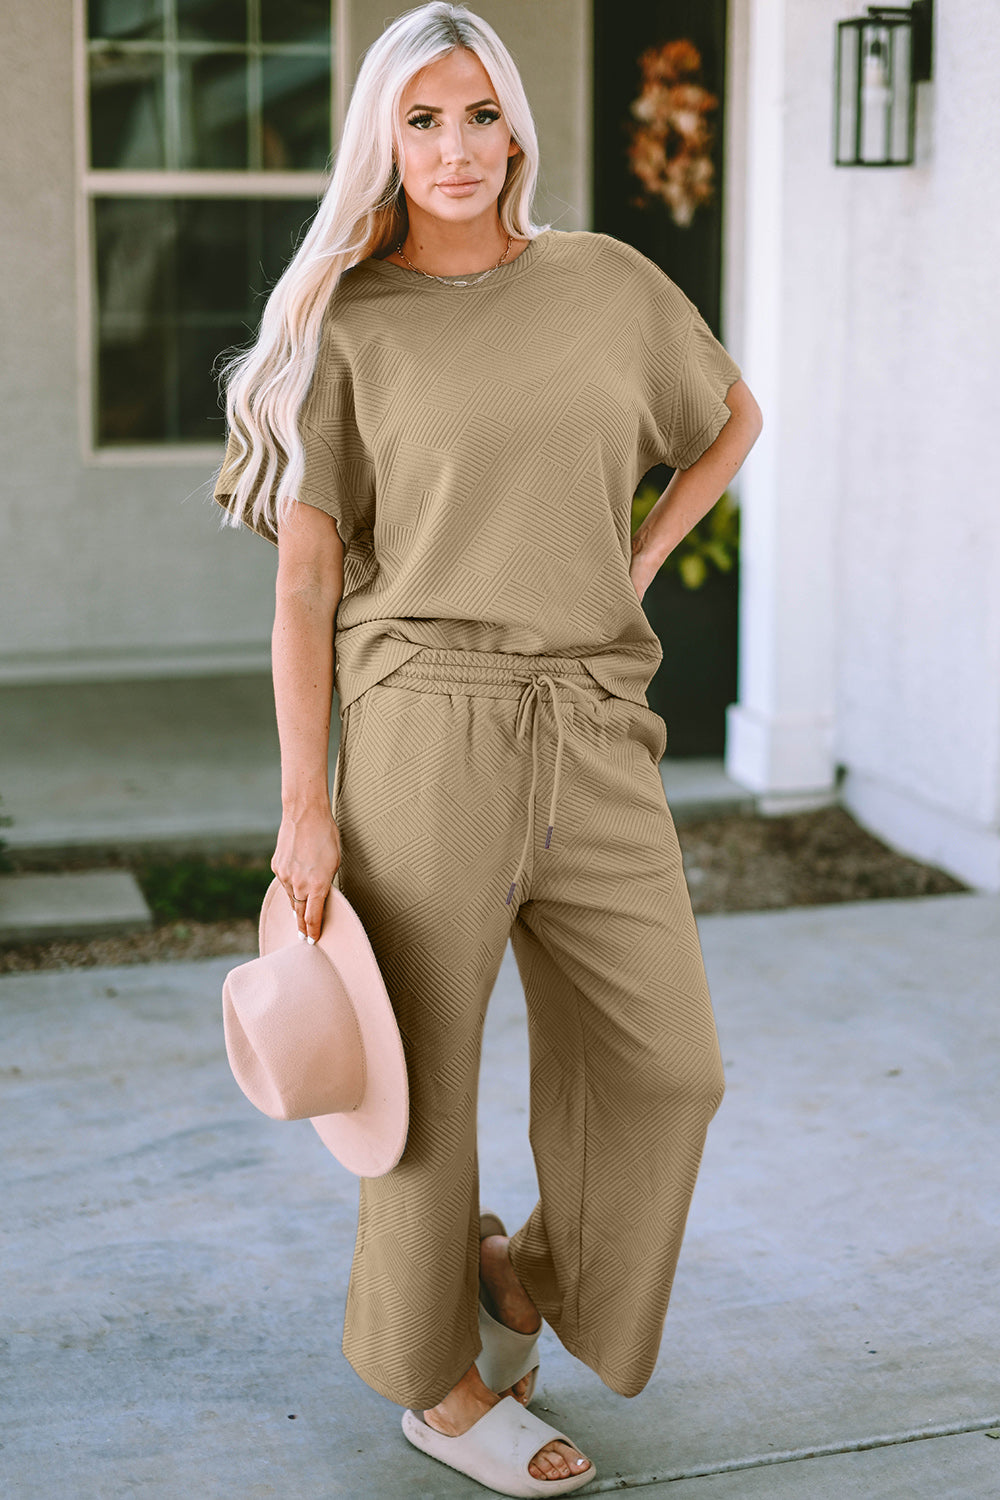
(478, 448)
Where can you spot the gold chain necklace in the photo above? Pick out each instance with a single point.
(448, 280)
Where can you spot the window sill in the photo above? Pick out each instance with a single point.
(169, 455)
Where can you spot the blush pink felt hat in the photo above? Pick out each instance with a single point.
(311, 1034)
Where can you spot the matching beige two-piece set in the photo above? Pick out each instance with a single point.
(498, 777)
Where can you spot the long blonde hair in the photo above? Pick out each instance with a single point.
(362, 213)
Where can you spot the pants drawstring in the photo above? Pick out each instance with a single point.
(528, 707)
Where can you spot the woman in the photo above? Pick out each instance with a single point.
(442, 424)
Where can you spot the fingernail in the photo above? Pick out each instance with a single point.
(302, 937)
(311, 942)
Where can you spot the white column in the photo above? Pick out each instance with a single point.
(780, 732)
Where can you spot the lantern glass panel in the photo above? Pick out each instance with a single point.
(874, 93)
(848, 42)
(900, 129)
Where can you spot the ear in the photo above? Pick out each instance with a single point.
(513, 149)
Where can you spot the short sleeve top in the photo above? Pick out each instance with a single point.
(478, 448)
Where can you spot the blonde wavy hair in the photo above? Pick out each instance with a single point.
(362, 213)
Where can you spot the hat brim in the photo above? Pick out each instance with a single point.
(370, 1139)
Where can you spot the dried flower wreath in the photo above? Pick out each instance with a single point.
(671, 135)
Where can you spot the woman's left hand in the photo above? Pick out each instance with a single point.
(639, 576)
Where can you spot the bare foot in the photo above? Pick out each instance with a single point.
(504, 1296)
(470, 1400)
(506, 1300)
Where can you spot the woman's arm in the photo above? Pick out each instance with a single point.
(308, 589)
(692, 492)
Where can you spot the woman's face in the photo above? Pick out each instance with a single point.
(456, 141)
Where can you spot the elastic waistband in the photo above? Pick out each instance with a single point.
(486, 674)
(505, 674)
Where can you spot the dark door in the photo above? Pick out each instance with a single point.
(659, 94)
(623, 206)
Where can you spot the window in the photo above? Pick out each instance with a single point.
(208, 136)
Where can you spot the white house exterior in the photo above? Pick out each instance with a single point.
(862, 306)
(865, 308)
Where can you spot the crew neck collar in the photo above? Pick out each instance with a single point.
(403, 276)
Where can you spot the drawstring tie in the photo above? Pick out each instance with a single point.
(528, 708)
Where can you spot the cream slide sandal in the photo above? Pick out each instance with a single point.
(506, 1356)
(497, 1449)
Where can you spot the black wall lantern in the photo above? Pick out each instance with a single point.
(881, 57)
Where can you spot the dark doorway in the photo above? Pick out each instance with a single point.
(691, 255)
(659, 100)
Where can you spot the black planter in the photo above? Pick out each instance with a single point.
(696, 680)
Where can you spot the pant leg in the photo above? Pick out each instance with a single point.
(625, 1066)
(430, 805)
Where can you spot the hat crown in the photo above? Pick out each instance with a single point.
(292, 1034)
(311, 1032)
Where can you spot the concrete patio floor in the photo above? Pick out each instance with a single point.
(176, 1264)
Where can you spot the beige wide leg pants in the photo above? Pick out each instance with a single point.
(482, 796)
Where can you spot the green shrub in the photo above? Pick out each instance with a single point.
(712, 545)
(198, 889)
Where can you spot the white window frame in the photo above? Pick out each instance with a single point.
(158, 183)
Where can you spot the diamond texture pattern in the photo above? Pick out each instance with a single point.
(478, 449)
(503, 429)
(432, 797)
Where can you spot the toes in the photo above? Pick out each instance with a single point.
(557, 1461)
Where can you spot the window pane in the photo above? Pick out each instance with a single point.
(212, 20)
(295, 125)
(213, 112)
(126, 109)
(204, 89)
(179, 282)
(283, 224)
(130, 20)
(295, 21)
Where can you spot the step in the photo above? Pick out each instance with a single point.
(85, 904)
(697, 789)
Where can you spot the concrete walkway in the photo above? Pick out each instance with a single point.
(190, 764)
(175, 1264)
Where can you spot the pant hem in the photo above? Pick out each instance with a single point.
(424, 1399)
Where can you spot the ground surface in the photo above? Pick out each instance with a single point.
(735, 863)
(808, 859)
(176, 1264)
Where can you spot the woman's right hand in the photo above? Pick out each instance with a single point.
(306, 858)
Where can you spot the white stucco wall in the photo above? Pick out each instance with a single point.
(919, 660)
(118, 567)
(103, 569)
(871, 619)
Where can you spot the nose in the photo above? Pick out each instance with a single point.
(453, 145)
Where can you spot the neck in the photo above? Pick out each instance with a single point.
(452, 249)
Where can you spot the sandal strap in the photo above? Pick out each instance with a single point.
(506, 1355)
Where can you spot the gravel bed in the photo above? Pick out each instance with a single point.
(805, 859)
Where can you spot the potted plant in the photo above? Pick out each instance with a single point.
(692, 604)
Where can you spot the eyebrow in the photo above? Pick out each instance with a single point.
(435, 109)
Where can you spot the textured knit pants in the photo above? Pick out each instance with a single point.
(483, 796)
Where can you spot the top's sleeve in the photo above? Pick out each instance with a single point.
(338, 475)
(685, 371)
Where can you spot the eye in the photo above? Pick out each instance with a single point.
(420, 122)
(486, 116)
